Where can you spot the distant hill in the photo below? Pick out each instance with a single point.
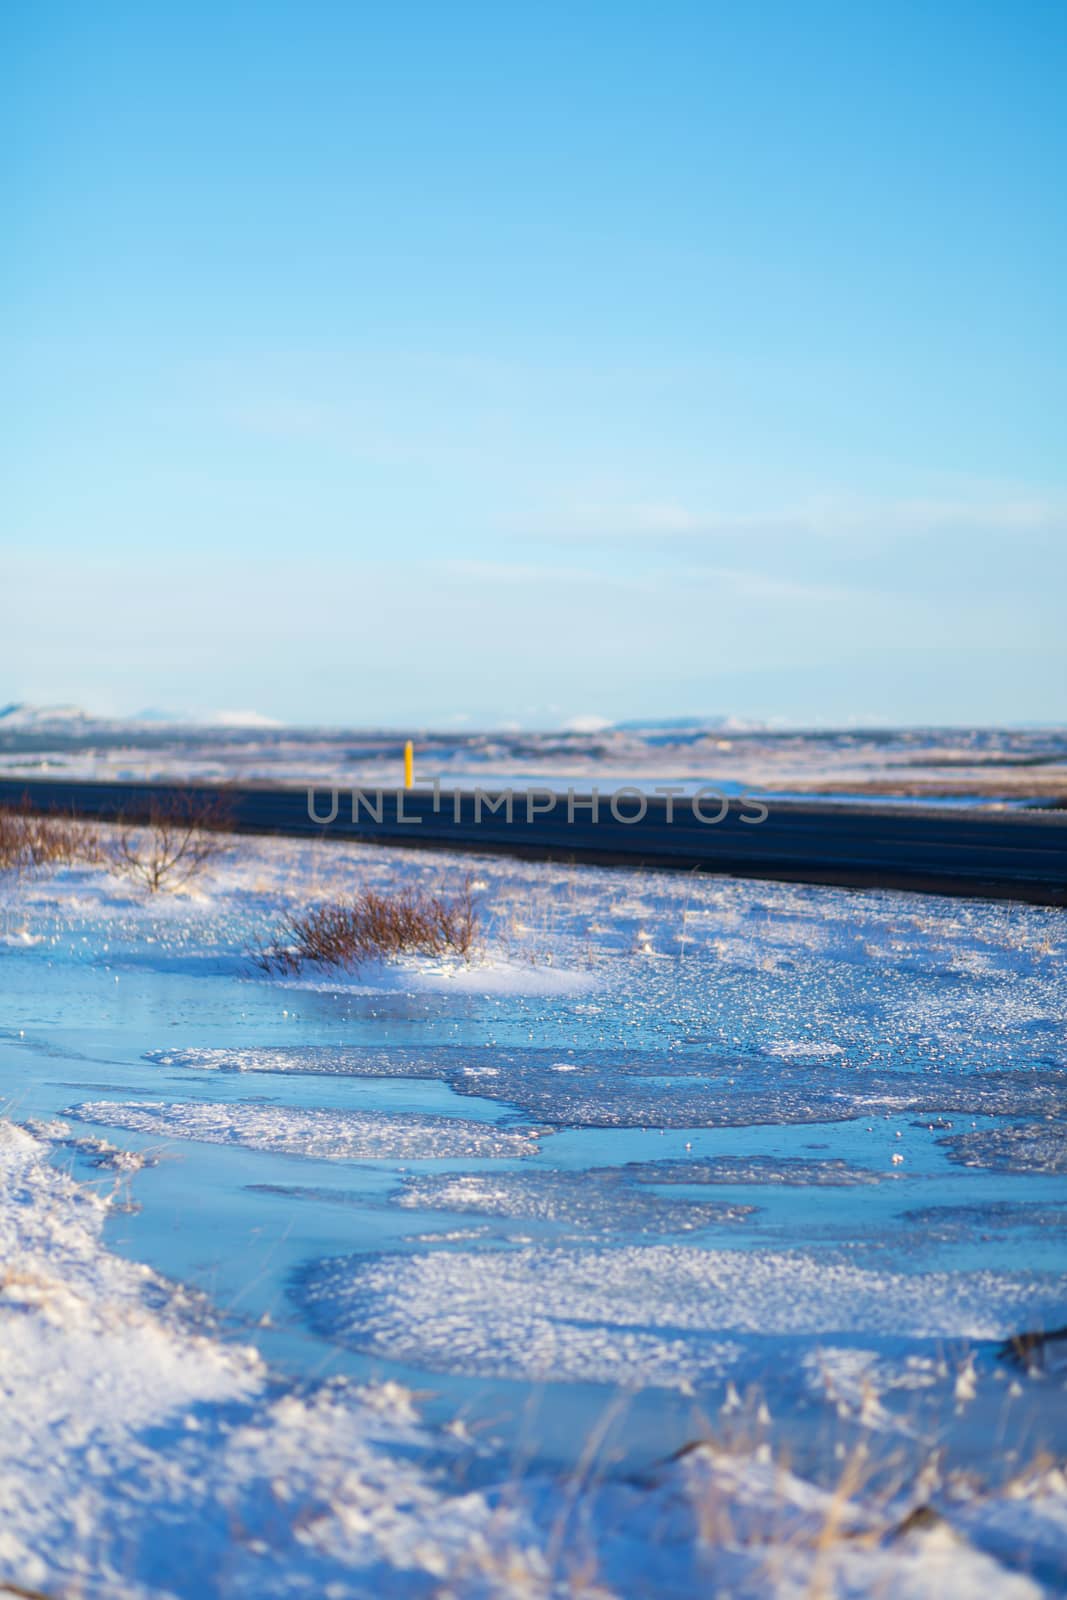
(19, 714)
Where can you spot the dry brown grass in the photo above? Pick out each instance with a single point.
(180, 838)
(31, 839)
(374, 926)
(176, 841)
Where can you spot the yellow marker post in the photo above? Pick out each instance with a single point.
(409, 764)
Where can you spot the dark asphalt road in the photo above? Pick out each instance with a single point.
(1016, 855)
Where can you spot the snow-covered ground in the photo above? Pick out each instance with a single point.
(675, 1245)
(982, 763)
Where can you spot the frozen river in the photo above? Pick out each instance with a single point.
(791, 1153)
(696, 1235)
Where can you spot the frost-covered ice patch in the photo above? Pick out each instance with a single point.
(250, 1058)
(484, 1314)
(580, 1203)
(97, 1152)
(947, 1224)
(604, 1088)
(790, 1171)
(652, 1315)
(326, 1135)
(1035, 1147)
(270, 1058)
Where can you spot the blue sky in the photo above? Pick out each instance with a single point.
(410, 364)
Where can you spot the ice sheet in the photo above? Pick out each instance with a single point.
(325, 1135)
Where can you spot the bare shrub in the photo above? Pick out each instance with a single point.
(180, 838)
(372, 927)
(13, 850)
(30, 838)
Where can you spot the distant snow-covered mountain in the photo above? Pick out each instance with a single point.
(20, 714)
(237, 719)
(720, 724)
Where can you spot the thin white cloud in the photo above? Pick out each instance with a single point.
(831, 515)
(743, 583)
(762, 586)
